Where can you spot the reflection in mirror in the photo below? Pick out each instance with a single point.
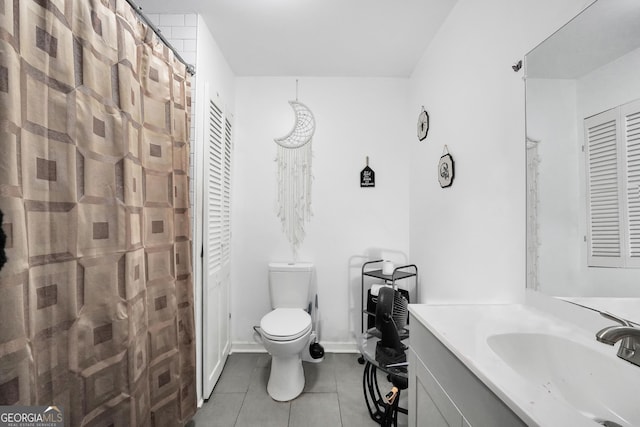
(583, 156)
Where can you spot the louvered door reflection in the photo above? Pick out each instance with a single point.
(613, 186)
(603, 189)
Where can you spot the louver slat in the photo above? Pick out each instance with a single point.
(214, 189)
(632, 137)
(226, 194)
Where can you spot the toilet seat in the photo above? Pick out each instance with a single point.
(285, 324)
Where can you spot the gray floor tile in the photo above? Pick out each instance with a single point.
(237, 372)
(315, 410)
(260, 410)
(350, 388)
(347, 368)
(221, 410)
(353, 410)
(332, 395)
(259, 379)
(263, 360)
(319, 377)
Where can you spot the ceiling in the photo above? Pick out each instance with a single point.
(362, 38)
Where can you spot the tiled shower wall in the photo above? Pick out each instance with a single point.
(181, 32)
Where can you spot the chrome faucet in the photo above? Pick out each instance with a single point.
(628, 335)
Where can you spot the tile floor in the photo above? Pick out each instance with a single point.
(332, 395)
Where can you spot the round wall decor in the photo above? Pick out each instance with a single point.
(423, 124)
(445, 169)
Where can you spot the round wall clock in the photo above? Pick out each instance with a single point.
(445, 170)
(423, 124)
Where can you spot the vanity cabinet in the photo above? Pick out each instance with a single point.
(444, 392)
(429, 403)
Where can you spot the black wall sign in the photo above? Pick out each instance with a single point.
(367, 176)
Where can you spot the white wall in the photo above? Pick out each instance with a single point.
(469, 239)
(356, 117)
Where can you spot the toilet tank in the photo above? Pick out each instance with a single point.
(289, 284)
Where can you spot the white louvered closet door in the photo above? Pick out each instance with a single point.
(613, 186)
(216, 245)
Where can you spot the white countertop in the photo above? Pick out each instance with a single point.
(464, 330)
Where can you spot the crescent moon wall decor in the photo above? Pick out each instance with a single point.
(294, 175)
(303, 128)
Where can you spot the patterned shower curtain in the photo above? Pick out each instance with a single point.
(96, 300)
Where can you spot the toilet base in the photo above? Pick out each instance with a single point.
(286, 380)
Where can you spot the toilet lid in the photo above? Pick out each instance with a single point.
(285, 324)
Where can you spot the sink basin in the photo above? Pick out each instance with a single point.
(602, 387)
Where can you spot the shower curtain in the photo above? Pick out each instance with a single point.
(96, 300)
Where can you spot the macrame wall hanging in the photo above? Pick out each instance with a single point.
(294, 174)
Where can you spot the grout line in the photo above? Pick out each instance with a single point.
(339, 407)
(244, 397)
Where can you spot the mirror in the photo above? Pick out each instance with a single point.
(591, 65)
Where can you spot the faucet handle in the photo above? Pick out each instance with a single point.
(615, 318)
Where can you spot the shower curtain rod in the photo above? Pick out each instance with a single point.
(190, 68)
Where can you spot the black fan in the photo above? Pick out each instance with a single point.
(391, 315)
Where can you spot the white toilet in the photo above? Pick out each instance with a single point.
(286, 331)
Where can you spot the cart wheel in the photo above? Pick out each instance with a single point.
(361, 360)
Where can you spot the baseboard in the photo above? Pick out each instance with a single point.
(247, 347)
(340, 347)
(329, 347)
